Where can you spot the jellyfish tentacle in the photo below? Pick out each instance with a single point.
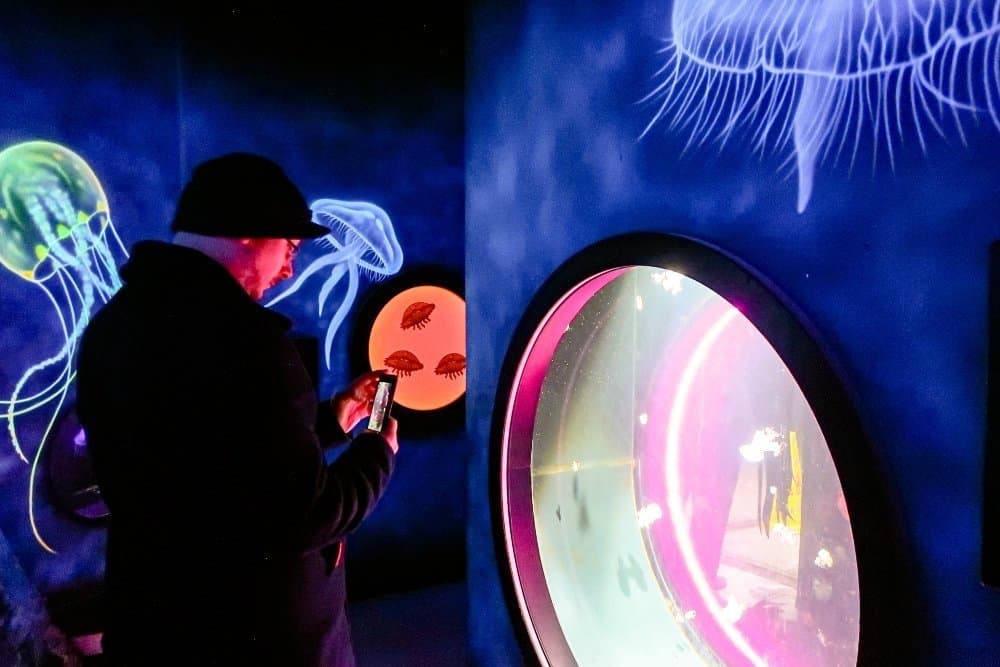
(105, 271)
(109, 225)
(325, 260)
(82, 319)
(31, 488)
(811, 128)
(69, 347)
(67, 277)
(64, 353)
(102, 274)
(39, 204)
(338, 272)
(38, 399)
(85, 243)
(345, 305)
(50, 392)
(70, 342)
(85, 295)
(104, 251)
(43, 394)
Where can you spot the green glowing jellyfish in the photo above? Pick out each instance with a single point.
(55, 228)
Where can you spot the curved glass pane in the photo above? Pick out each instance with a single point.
(685, 505)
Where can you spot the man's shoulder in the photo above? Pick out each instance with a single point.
(187, 325)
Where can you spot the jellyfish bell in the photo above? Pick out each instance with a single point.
(52, 207)
(362, 238)
(813, 74)
(362, 227)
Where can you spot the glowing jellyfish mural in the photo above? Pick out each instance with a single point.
(55, 229)
(818, 75)
(362, 239)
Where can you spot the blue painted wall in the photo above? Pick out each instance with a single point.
(890, 266)
(144, 95)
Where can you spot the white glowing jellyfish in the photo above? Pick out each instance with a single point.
(55, 229)
(361, 238)
(817, 75)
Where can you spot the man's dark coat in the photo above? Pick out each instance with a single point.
(225, 543)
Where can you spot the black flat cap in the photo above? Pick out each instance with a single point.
(242, 195)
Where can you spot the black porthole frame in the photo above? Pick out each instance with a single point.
(890, 610)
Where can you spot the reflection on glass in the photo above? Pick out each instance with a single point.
(685, 503)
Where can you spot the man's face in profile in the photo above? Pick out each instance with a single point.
(272, 263)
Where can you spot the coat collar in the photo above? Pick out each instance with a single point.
(181, 270)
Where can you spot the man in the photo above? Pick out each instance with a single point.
(225, 545)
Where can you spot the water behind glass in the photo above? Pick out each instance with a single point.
(686, 505)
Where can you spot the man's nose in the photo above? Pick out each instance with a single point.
(287, 270)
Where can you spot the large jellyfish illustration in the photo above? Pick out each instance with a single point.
(817, 75)
(362, 239)
(55, 232)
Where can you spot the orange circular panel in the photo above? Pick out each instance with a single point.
(420, 336)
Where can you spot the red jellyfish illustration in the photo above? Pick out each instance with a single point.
(451, 365)
(404, 362)
(417, 315)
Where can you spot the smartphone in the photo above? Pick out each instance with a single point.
(382, 405)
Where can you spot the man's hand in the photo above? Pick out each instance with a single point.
(389, 433)
(355, 402)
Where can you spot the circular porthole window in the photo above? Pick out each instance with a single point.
(667, 491)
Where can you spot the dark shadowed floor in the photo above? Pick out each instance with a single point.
(425, 627)
(421, 628)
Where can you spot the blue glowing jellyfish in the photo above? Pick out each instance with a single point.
(819, 74)
(361, 238)
(55, 228)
